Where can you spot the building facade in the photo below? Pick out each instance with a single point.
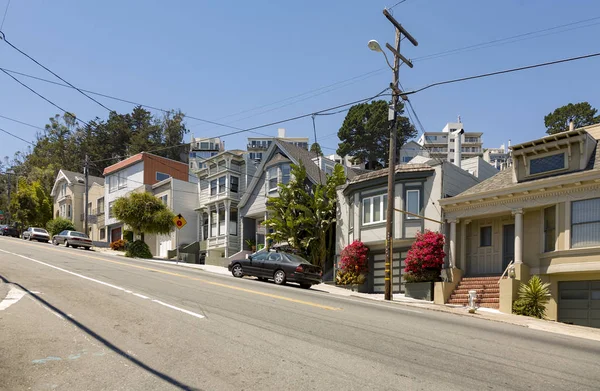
(410, 150)
(443, 145)
(257, 146)
(498, 157)
(202, 149)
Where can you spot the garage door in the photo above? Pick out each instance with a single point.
(579, 303)
(378, 274)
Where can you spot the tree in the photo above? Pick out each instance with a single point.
(316, 148)
(303, 214)
(57, 225)
(31, 204)
(144, 213)
(582, 114)
(365, 133)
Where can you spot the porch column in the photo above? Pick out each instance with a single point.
(227, 214)
(209, 224)
(463, 245)
(218, 225)
(452, 255)
(518, 213)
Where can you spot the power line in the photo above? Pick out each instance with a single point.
(43, 97)
(22, 123)
(4, 17)
(502, 72)
(2, 36)
(397, 4)
(15, 136)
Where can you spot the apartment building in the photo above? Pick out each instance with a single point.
(202, 149)
(257, 146)
(443, 145)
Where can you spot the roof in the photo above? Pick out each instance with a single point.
(552, 137)
(504, 179)
(124, 163)
(75, 177)
(400, 168)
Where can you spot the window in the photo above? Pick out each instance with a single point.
(204, 226)
(222, 227)
(451, 149)
(413, 203)
(585, 223)
(213, 223)
(204, 145)
(160, 176)
(69, 211)
(102, 233)
(122, 180)
(213, 187)
(112, 183)
(430, 138)
(374, 209)
(549, 228)
(110, 209)
(233, 221)
(547, 164)
(100, 205)
(234, 183)
(406, 159)
(222, 184)
(164, 199)
(272, 172)
(485, 236)
(285, 174)
(89, 208)
(328, 170)
(451, 140)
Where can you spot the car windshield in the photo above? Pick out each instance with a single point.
(78, 234)
(296, 258)
(40, 230)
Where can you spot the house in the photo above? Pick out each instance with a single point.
(68, 194)
(347, 161)
(411, 149)
(202, 149)
(222, 182)
(541, 216)
(182, 198)
(362, 205)
(136, 173)
(453, 138)
(498, 157)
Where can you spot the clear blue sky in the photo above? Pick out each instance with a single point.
(214, 59)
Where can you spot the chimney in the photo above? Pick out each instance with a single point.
(571, 125)
(281, 132)
(508, 143)
(457, 147)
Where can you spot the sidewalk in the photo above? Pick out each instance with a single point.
(482, 313)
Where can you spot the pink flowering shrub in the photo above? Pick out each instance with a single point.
(354, 264)
(425, 258)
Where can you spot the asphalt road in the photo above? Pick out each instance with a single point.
(90, 321)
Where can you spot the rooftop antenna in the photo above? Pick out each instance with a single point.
(459, 119)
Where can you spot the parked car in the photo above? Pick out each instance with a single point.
(7, 230)
(39, 234)
(279, 266)
(72, 238)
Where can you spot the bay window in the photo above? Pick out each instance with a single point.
(585, 223)
(374, 209)
(413, 203)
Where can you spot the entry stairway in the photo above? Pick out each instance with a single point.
(487, 288)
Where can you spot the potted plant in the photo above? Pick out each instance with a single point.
(424, 264)
(252, 244)
(353, 267)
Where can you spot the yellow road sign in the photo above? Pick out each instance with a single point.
(179, 221)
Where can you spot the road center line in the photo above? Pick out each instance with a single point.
(270, 295)
(93, 280)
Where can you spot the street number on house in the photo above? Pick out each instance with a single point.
(179, 221)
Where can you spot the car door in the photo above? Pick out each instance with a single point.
(60, 238)
(272, 263)
(253, 267)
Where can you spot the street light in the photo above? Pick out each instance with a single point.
(376, 47)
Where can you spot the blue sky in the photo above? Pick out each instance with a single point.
(213, 59)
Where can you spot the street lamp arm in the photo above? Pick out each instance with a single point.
(386, 60)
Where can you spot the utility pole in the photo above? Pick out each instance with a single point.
(87, 191)
(396, 93)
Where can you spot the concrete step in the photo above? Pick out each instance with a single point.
(479, 291)
(482, 295)
(488, 278)
(485, 305)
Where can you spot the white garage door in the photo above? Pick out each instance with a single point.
(165, 246)
(579, 303)
(379, 272)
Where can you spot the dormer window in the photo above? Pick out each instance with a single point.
(540, 165)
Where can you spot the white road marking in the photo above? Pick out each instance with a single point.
(14, 295)
(96, 281)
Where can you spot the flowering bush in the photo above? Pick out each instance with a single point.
(353, 265)
(425, 258)
(118, 245)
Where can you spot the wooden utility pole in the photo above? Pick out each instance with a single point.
(389, 226)
(87, 194)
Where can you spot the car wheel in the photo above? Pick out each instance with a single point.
(54, 242)
(66, 243)
(305, 286)
(279, 277)
(88, 248)
(237, 271)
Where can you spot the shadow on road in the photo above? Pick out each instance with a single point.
(105, 342)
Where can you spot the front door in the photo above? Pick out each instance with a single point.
(508, 245)
(115, 234)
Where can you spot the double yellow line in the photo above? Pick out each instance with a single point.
(270, 295)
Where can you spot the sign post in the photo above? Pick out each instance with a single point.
(180, 222)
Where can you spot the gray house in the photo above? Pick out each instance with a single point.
(362, 205)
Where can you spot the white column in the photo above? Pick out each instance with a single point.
(209, 224)
(518, 213)
(227, 213)
(462, 264)
(218, 225)
(452, 255)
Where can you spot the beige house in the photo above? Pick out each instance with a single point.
(539, 217)
(68, 194)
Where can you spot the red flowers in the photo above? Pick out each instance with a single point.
(354, 258)
(425, 258)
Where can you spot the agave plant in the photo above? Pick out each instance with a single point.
(533, 298)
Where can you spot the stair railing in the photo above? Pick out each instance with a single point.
(505, 271)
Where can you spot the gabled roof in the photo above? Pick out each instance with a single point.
(400, 168)
(75, 177)
(295, 154)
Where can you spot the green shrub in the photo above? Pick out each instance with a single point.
(128, 236)
(57, 225)
(118, 245)
(138, 249)
(533, 298)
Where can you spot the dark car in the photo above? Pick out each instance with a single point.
(278, 266)
(39, 234)
(7, 230)
(72, 238)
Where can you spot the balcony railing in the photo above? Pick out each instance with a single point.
(216, 242)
